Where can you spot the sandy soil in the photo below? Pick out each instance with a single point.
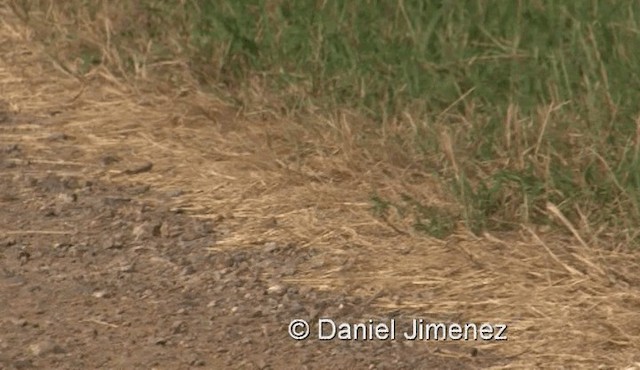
(96, 275)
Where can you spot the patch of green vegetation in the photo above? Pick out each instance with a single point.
(380, 206)
(384, 55)
(430, 220)
(570, 69)
(490, 204)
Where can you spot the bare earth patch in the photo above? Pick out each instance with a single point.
(141, 229)
(95, 275)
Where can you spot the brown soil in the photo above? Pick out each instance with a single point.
(145, 227)
(98, 275)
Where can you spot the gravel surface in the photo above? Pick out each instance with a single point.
(101, 275)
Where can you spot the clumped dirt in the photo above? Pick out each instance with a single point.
(101, 275)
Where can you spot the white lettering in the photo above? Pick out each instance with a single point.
(321, 334)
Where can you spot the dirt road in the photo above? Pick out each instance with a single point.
(96, 275)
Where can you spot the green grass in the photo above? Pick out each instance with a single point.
(539, 98)
(385, 56)
(569, 70)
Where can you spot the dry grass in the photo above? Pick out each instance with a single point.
(567, 303)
